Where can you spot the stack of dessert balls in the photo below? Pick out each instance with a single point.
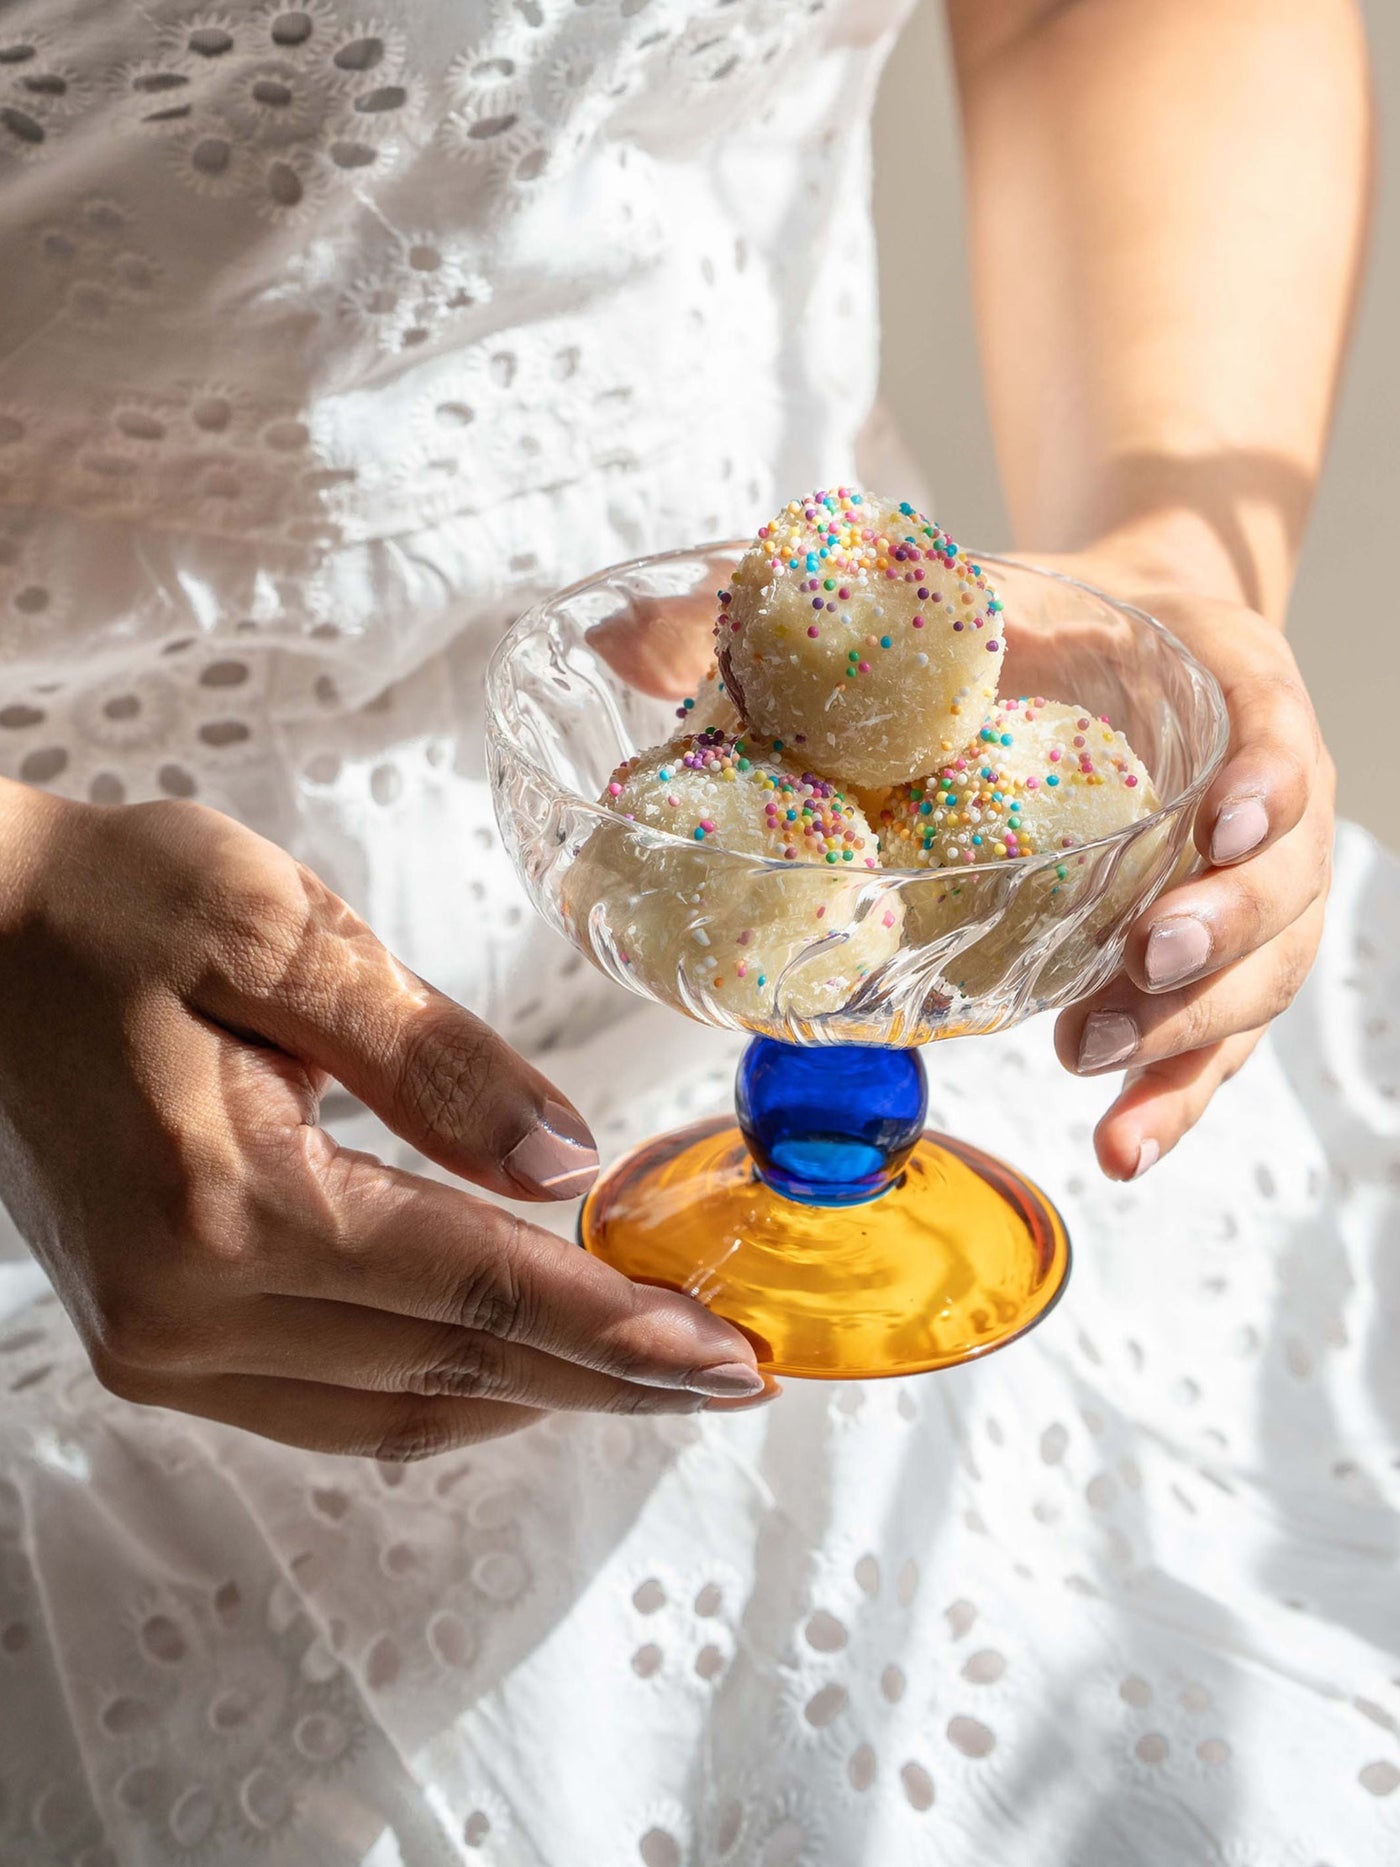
(851, 724)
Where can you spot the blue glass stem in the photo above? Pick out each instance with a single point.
(830, 1125)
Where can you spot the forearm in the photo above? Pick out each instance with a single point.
(1168, 205)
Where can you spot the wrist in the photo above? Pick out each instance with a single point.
(1181, 550)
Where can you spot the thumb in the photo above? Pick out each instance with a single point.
(662, 645)
(433, 1072)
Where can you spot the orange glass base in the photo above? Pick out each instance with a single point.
(959, 1257)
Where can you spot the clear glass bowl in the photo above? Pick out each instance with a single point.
(913, 954)
(845, 1239)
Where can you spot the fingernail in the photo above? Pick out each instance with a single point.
(770, 1391)
(1176, 949)
(732, 1380)
(557, 1156)
(1238, 829)
(1109, 1037)
(1148, 1155)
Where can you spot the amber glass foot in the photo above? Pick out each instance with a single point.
(958, 1257)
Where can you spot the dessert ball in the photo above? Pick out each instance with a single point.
(1040, 776)
(1040, 779)
(694, 923)
(858, 637)
(707, 787)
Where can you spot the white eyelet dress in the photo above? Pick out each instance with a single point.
(329, 338)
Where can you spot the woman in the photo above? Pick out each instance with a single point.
(330, 341)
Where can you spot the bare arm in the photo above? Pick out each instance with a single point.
(1169, 205)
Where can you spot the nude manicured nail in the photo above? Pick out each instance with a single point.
(1109, 1037)
(1176, 949)
(742, 1402)
(557, 1156)
(732, 1380)
(1149, 1153)
(1238, 829)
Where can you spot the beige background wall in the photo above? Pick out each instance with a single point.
(1345, 589)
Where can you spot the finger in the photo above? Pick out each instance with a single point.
(1161, 1103)
(321, 1418)
(1213, 920)
(392, 1241)
(662, 645)
(1121, 1027)
(344, 1345)
(322, 988)
(1275, 759)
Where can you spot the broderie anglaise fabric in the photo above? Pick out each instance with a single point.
(329, 337)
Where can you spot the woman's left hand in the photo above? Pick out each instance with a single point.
(1218, 957)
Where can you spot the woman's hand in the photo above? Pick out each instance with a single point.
(174, 995)
(1216, 958)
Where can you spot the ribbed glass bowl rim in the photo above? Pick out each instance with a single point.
(531, 619)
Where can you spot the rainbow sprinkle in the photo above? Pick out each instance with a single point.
(981, 805)
(794, 817)
(838, 546)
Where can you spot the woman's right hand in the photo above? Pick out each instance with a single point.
(175, 993)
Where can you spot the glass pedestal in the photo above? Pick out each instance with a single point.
(844, 1239)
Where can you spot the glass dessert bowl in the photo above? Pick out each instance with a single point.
(825, 1221)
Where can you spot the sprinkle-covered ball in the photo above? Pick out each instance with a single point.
(708, 785)
(858, 635)
(1040, 779)
(760, 943)
(1040, 776)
